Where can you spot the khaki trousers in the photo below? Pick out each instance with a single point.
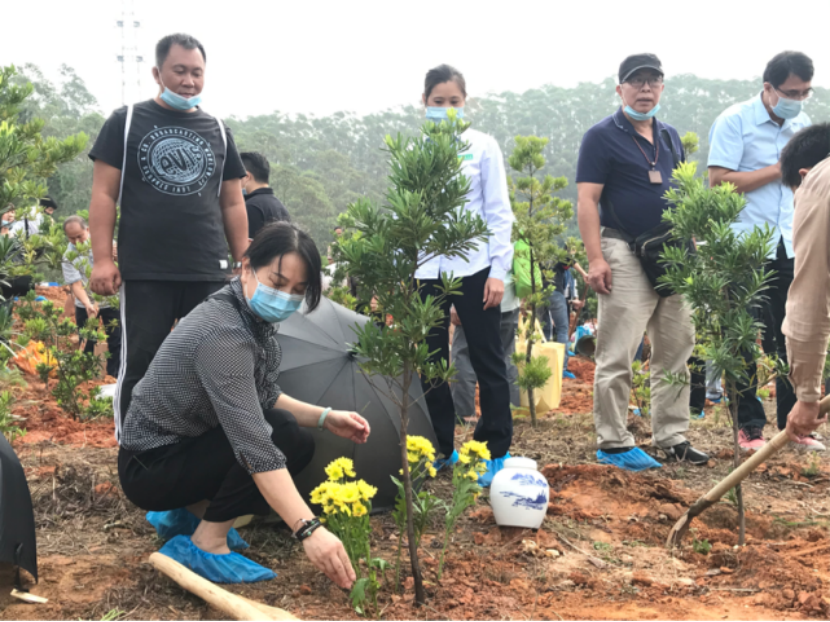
(632, 308)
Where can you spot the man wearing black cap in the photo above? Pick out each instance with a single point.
(625, 167)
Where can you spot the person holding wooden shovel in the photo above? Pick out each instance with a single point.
(805, 168)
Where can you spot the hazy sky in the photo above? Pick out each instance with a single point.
(317, 57)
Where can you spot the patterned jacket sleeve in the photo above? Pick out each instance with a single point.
(225, 365)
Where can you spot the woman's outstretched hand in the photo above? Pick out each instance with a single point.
(326, 552)
(348, 425)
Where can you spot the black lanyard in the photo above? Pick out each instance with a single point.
(653, 165)
(654, 176)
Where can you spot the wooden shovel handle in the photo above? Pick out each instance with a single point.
(750, 464)
(733, 479)
(235, 606)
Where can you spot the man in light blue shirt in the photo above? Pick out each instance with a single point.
(745, 146)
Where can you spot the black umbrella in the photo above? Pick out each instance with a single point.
(17, 519)
(317, 367)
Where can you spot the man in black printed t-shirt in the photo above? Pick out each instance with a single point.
(181, 208)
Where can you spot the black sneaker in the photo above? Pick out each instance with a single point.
(684, 452)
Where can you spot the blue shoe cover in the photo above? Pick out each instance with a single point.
(568, 375)
(633, 460)
(493, 466)
(40, 299)
(229, 568)
(445, 462)
(182, 523)
(637, 412)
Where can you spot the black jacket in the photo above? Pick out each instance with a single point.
(263, 207)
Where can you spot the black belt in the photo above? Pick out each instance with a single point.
(608, 232)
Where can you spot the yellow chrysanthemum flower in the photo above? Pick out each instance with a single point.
(464, 458)
(358, 510)
(431, 470)
(471, 475)
(420, 446)
(347, 465)
(476, 448)
(367, 492)
(322, 493)
(334, 472)
(350, 492)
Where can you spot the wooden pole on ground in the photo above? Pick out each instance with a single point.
(237, 607)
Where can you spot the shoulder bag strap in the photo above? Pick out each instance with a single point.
(127, 123)
(225, 159)
(676, 157)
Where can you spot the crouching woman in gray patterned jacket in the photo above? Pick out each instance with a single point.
(210, 436)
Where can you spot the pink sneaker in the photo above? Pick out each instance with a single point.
(809, 443)
(751, 437)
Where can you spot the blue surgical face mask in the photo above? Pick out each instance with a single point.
(271, 304)
(787, 108)
(641, 116)
(437, 114)
(176, 101)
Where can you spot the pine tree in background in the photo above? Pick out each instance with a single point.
(540, 221)
(383, 248)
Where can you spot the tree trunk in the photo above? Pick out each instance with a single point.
(531, 398)
(734, 401)
(530, 390)
(420, 596)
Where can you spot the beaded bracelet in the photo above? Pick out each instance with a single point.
(307, 529)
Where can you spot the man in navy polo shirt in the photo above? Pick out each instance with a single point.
(625, 168)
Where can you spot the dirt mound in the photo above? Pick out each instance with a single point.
(45, 421)
(582, 368)
(57, 295)
(576, 400)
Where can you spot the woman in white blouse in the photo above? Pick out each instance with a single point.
(482, 274)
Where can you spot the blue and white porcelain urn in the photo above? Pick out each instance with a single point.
(519, 494)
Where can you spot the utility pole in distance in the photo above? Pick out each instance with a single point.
(129, 57)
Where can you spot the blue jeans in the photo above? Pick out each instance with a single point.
(556, 322)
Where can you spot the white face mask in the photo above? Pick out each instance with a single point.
(176, 101)
(787, 108)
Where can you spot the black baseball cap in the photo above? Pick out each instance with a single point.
(635, 62)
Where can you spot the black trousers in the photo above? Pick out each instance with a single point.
(111, 319)
(204, 467)
(495, 426)
(697, 394)
(771, 315)
(149, 309)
